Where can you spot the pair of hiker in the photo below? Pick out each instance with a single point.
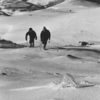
(44, 36)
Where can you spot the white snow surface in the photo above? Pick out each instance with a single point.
(40, 1)
(66, 71)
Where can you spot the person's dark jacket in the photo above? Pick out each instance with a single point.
(45, 35)
(32, 35)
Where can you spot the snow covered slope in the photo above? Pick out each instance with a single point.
(64, 71)
(41, 1)
(68, 24)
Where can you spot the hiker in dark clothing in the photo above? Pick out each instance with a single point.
(32, 35)
(45, 36)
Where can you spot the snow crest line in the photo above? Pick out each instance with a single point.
(51, 86)
(67, 81)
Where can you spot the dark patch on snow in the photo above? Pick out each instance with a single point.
(9, 44)
(3, 73)
(86, 3)
(10, 72)
(95, 1)
(73, 57)
(58, 99)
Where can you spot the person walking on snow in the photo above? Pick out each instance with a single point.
(32, 35)
(45, 36)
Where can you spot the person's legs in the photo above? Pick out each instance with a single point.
(33, 43)
(30, 43)
(45, 43)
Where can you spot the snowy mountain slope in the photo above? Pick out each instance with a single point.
(8, 7)
(37, 2)
(43, 2)
(23, 70)
(66, 27)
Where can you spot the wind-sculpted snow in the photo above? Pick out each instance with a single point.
(9, 7)
(43, 2)
(67, 81)
(39, 74)
(67, 70)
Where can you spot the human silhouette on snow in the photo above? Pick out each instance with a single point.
(45, 36)
(32, 36)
